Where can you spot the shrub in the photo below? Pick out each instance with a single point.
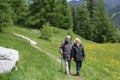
(46, 32)
(56, 30)
(118, 34)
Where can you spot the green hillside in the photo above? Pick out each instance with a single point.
(102, 60)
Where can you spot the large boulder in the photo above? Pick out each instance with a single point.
(8, 59)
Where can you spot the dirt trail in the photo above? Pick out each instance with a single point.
(30, 40)
(34, 44)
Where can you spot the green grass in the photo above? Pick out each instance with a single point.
(102, 60)
(33, 64)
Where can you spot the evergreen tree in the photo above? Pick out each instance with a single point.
(62, 15)
(104, 29)
(91, 7)
(20, 10)
(83, 22)
(37, 15)
(93, 23)
(92, 10)
(67, 18)
(56, 12)
(74, 17)
(5, 14)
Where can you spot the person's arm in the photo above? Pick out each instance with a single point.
(61, 48)
(72, 53)
(83, 53)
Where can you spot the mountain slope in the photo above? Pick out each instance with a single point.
(76, 3)
(110, 4)
(102, 60)
(33, 64)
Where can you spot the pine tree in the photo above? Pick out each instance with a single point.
(20, 9)
(91, 8)
(5, 14)
(103, 29)
(62, 17)
(67, 18)
(93, 23)
(56, 12)
(37, 15)
(106, 30)
(74, 17)
(83, 22)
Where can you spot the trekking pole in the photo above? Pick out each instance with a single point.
(61, 62)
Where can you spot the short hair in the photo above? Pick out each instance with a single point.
(77, 39)
(68, 36)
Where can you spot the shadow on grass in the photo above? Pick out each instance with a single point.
(29, 27)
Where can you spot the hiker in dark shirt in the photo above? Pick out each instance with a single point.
(65, 49)
(78, 55)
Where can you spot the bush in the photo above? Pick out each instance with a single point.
(118, 34)
(46, 32)
(56, 30)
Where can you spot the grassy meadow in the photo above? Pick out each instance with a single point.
(102, 60)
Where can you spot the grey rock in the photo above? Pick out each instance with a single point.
(8, 59)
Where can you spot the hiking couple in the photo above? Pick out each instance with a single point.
(72, 52)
